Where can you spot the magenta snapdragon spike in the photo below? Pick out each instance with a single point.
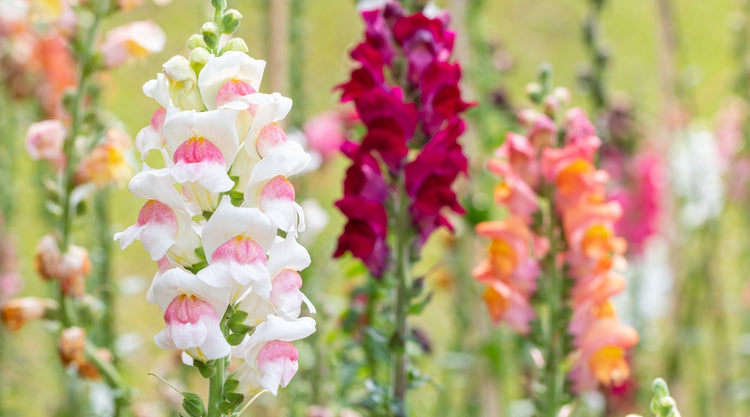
(420, 112)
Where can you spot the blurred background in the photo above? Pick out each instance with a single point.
(673, 75)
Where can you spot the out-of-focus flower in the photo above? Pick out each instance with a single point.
(132, 41)
(696, 174)
(534, 164)
(71, 346)
(44, 140)
(19, 311)
(327, 131)
(69, 269)
(106, 163)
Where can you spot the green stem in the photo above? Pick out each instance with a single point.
(112, 377)
(104, 287)
(216, 388)
(403, 279)
(598, 56)
(554, 295)
(100, 8)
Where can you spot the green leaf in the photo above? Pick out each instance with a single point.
(230, 385)
(235, 339)
(419, 306)
(205, 368)
(238, 317)
(193, 405)
(239, 328)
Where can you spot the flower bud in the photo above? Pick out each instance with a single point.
(19, 311)
(71, 345)
(196, 41)
(183, 83)
(198, 58)
(75, 265)
(47, 258)
(235, 44)
(534, 91)
(230, 21)
(210, 33)
(219, 4)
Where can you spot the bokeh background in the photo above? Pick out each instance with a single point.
(687, 296)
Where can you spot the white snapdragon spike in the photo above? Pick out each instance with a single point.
(232, 67)
(162, 231)
(192, 311)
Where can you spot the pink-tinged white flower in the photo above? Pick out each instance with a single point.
(152, 137)
(236, 241)
(279, 156)
(132, 41)
(234, 74)
(192, 311)
(202, 146)
(276, 200)
(44, 140)
(163, 230)
(157, 184)
(270, 358)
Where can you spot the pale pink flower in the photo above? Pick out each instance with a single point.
(44, 140)
(162, 231)
(132, 41)
(326, 132)
(227, 78)
(192, 311)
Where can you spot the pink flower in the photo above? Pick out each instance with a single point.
(132, 41)
(44, 140)
(326, 132)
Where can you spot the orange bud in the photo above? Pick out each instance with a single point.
(71, 345)
(19, 311)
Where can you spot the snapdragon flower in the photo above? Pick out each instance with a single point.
(221, 218)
